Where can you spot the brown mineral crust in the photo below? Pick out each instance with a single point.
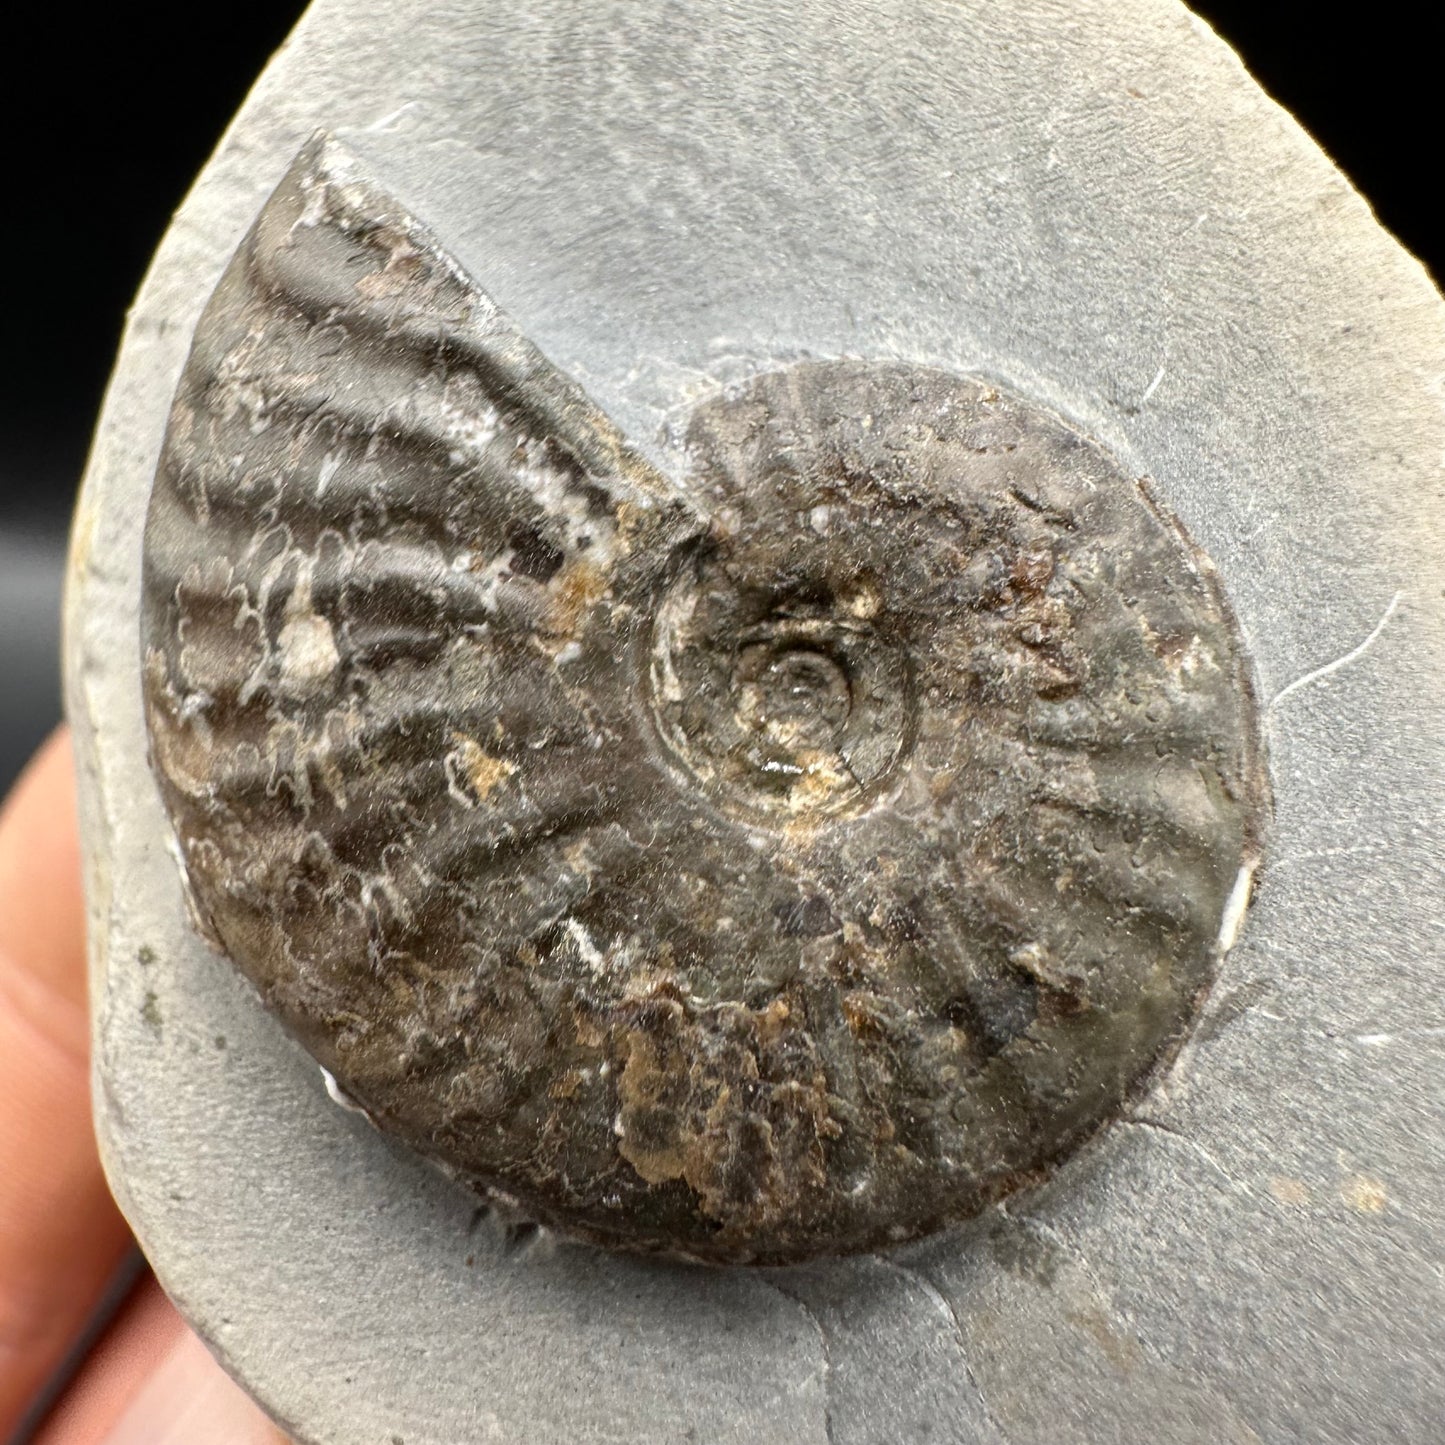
(718, 1109)
(785, 860)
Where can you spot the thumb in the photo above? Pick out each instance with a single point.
(150, 1381)
(188, 1398)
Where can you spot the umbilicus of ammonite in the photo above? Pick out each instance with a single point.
(787, 851)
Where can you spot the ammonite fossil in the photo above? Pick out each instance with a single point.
(788, 855)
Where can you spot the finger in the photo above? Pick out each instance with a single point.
(190, 1398)
(61, 1236)
(143, 1333)
(150, 1380)
(42, 920)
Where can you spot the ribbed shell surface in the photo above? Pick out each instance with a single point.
(789, 856)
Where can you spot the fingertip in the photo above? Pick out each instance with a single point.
(187, 1398)
(150, 1379)
(60, 1233)
(42, 909)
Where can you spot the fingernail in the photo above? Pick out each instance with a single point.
(189, 1398)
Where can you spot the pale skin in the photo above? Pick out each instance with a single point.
(149, 1381)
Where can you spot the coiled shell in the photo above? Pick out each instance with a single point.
(786, 859)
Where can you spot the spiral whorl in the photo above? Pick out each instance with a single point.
(783, 860)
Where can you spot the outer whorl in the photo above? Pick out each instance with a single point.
(787, 859)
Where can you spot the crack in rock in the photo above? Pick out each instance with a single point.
(941, 1302)
(825, 1356)
(1353, 655)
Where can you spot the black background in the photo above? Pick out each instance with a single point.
(114, 109)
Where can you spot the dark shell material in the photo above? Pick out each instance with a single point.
(785, 858)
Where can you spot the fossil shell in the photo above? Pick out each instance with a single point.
(788, 858)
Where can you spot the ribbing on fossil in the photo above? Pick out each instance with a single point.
(784, 857)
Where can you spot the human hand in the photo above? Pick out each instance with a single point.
(148, 1380)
